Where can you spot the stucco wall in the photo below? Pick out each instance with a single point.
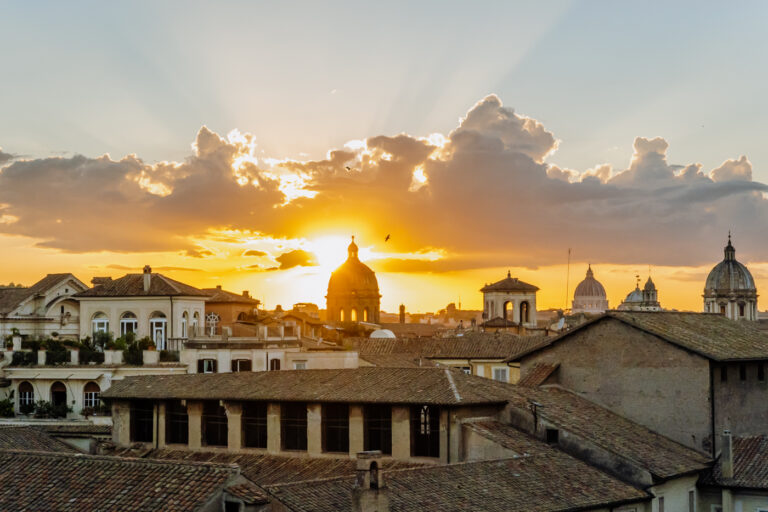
(741, 405)
(636, 375)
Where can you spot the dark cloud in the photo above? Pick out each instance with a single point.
(5, 157)
(254, 252)
(489, 198)
(296, 258)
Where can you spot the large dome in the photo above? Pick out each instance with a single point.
(353, 277)
(729, 274)
(589, 287)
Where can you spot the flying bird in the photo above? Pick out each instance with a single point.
(387, 238)
(349, 168)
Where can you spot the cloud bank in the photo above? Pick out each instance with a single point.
(484, 195)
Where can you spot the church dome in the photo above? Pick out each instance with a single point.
(382, 334)
(353, 277)
(729, 274)
(589, 287)
(635, 295)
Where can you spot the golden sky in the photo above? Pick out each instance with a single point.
(461, 207)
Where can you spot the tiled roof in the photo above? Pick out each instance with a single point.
(508, 437)
(499, 322)
(86, 428)
(11, 298)
(218, 295)
(750, 465)
(52, 481)
(249, 493)
(132, 285)
(30, 438)
(537, 374)
(397, 360)
(710, 335)
(264, 469)
(439, 386)
(413, 330)
(659, 455)
(541, 483)
(468, 346)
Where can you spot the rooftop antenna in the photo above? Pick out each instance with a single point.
(567, 279)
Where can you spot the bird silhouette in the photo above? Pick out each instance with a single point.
(349, 168)
(387, 238)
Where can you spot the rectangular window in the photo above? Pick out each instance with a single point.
(206, 366)
(299, 365)
(465, 369)
(742, 372)
(723, 374)
(377, 428)
(91, 399)
(254, 425)
(425, 431)
(142, 416)
(176, 423)
(336, 428)
(553, 436)
(293, 426)
(215, 427)
(501, 374)
(241, 365)
(661, 504)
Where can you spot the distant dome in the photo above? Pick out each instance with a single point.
(589, 287)
(353, 291)
(382, 334)
(635, 295)
(353, 277)
(730, 275)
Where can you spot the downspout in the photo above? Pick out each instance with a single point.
(157, 425)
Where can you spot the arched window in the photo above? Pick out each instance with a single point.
(341, 315)
(505, 309)
(741, 309)
(353, 315)
(184, 319)
(241, 316)
(100, 323)
(524, 313)
(91, 395)
(157, 326)
(26, 395)
(212, 323)
(128, 323)
(58, 393)
(722, 309)
(274, 364)
(365, 314)
(195, 323)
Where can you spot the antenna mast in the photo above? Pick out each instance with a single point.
(567, 279)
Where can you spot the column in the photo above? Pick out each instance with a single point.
(121, 423)
(444, 436)
(454, 426)
(356, 433)
(234, 425)
(401, 432)
(314, 429)
(274, 443)
(195, 415)
(160, 427)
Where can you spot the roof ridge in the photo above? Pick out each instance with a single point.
(115, 458)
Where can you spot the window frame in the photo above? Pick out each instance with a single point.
(377, 428)
(293, 426)
(254, 426)
(503, 369)
(335, 428)
(176, 422)
(91, 398)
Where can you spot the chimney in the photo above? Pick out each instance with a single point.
(726, 455)
(218, 287)
(402, 313)
(369, 494)
(147, 278)
(246, 294)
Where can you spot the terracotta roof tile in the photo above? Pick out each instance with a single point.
(249, 493)
(132, 285)
(537, 374)
(218, 295)
(750, 465)
(30, 438)
(11, 298)
(440, 386)
(540, 483)
(52, 481)
(468, 346)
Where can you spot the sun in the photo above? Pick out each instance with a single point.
(331, 251)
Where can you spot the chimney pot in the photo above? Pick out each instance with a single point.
(218, 287)
(246, 294)
(147, 278)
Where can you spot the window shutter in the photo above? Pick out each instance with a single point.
(200, 368)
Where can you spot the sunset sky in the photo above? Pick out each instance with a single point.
(242, 143)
